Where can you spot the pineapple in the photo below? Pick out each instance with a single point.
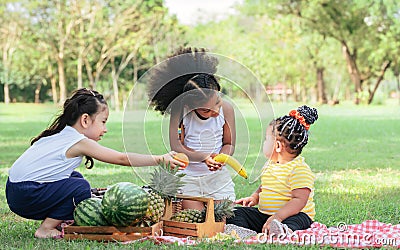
(189, 215)
(164, 185)
(222, 211)
(155, 209)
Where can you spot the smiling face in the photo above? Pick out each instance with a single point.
(211, 107)
(97, 124)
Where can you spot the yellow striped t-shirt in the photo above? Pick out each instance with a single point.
(277, 182)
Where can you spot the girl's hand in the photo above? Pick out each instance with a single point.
(168, 158)
(211, 164)
(265, 228)
(248, 201)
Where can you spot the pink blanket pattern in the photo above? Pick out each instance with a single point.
(370, 233)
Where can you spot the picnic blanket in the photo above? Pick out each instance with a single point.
(369, 234)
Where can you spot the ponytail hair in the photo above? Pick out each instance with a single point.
(186, 70)
(82, 101)
(293, 128)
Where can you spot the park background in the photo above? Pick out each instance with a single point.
(339, 56)
(319, 50)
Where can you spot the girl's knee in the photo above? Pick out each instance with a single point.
(85, 184)
(76, 174)
(79, 183)
(82, 190)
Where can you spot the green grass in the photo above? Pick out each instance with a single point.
(354, 151)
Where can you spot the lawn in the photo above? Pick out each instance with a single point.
(354, 151)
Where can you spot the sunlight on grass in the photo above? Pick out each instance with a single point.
(354, 195)
(357, 181)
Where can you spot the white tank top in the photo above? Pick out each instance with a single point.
(45, 160)
(203, 136)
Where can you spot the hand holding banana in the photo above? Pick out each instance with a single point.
(224, 158)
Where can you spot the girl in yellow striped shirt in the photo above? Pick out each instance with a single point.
(285, 196)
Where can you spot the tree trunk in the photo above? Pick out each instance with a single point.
(89, 73)
(156, 53)
(6, 74)
(321, 95)
(114, 77)
(80, 55)
(53, 82)
(79, 68)
(6, 93)
(385, 66)
(297, 92)
(284, 93)
(335, 95)
(304, 95)
(353, 71)
(37, 92)
(100, 65)
(257, 92)
(135, 70)
(61, 79)
(398, 87)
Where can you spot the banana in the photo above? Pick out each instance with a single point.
(224, 158)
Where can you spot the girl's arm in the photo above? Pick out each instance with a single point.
(229, 136)
(292, 207)
(91, 148)
(176, 143)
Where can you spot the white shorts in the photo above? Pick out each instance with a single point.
(218, 185)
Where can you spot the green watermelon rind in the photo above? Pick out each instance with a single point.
(124, 204)
(89, 213)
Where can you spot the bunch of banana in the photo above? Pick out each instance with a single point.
(224, 158)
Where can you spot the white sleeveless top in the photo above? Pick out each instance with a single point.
(45, 160)
(203, 136)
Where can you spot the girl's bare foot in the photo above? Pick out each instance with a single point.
(48, 229)
(51, 233)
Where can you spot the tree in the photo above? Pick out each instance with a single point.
(80, 43)
(10, 38)
(53, 24)
(357, 26)
(130, 41)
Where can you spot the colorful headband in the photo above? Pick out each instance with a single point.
(300, 118)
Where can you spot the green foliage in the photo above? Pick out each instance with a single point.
(360, 27)
(108, 45)
(81, 43)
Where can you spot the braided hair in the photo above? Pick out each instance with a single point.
(82, 101)
(188, 71)
(292, 129)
